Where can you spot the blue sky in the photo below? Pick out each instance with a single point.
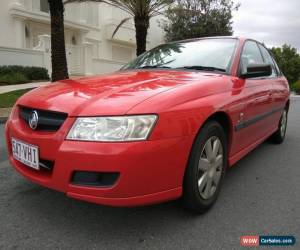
(273, 22)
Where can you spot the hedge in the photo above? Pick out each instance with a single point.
(13, 78)
(22, 73)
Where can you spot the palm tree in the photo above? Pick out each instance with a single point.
(58, 50)
(141, 11)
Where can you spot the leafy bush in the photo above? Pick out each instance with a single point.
(29, 73)
(37, 73)
(288, 61)
(13, 78)
(296, 87)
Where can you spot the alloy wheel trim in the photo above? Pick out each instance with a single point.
(210, 167)
(283, 123)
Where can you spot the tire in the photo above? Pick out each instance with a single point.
(200, 169)
(279, 135)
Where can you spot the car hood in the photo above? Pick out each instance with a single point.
(113, 94)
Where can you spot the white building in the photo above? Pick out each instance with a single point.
(25, 36)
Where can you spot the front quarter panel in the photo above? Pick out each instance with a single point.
(184, 110)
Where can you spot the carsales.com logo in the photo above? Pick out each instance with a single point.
(255, 241)
(249, 241)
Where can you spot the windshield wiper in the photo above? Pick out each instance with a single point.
(205, 68)
(153, 67)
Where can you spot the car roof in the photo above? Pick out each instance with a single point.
(215, 37)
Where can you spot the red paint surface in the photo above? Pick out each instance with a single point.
(150, 171)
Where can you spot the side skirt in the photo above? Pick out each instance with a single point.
(239, 155)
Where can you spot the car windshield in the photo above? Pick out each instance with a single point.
(214, 54)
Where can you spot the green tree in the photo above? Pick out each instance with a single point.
(141, 11)
(198, 18)
(58, 50)
(288, 61)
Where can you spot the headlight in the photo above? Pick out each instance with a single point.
(115, 128)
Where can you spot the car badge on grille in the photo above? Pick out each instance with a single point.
(33, 119)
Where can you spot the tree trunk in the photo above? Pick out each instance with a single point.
(141, 29)
(58, 50)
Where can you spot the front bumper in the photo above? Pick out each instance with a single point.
(150, 171)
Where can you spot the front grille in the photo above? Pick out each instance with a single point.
(47, 120)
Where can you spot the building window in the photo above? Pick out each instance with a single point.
(44, 6)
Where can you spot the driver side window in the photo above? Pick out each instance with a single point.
(250, 55)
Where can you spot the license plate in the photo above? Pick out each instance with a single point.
(26, 153)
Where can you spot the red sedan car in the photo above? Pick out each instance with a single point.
(167, 125)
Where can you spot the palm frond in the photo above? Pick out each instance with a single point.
(140, 10)
(120, 25)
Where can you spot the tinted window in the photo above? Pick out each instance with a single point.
(268, 59)
(216, 53)
(250, 55)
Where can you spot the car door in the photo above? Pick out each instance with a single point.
(254, 121)
(279, 88)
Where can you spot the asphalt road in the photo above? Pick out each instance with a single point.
(260, 196)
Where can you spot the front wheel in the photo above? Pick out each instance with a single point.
(206, 168)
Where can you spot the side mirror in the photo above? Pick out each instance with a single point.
(257, 70)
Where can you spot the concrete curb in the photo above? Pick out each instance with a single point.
(4, 114)
(3, 120)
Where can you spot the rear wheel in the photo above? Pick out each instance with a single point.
(279, 135)
(206, 168)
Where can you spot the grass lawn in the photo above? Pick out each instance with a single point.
(8, 99)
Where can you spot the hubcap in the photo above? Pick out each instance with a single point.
(210, 167)
(283, 123)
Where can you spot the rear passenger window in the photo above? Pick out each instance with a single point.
(250, 55)
(268, 59)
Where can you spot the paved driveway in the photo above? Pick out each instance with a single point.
(8, 88)
(260, 196)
